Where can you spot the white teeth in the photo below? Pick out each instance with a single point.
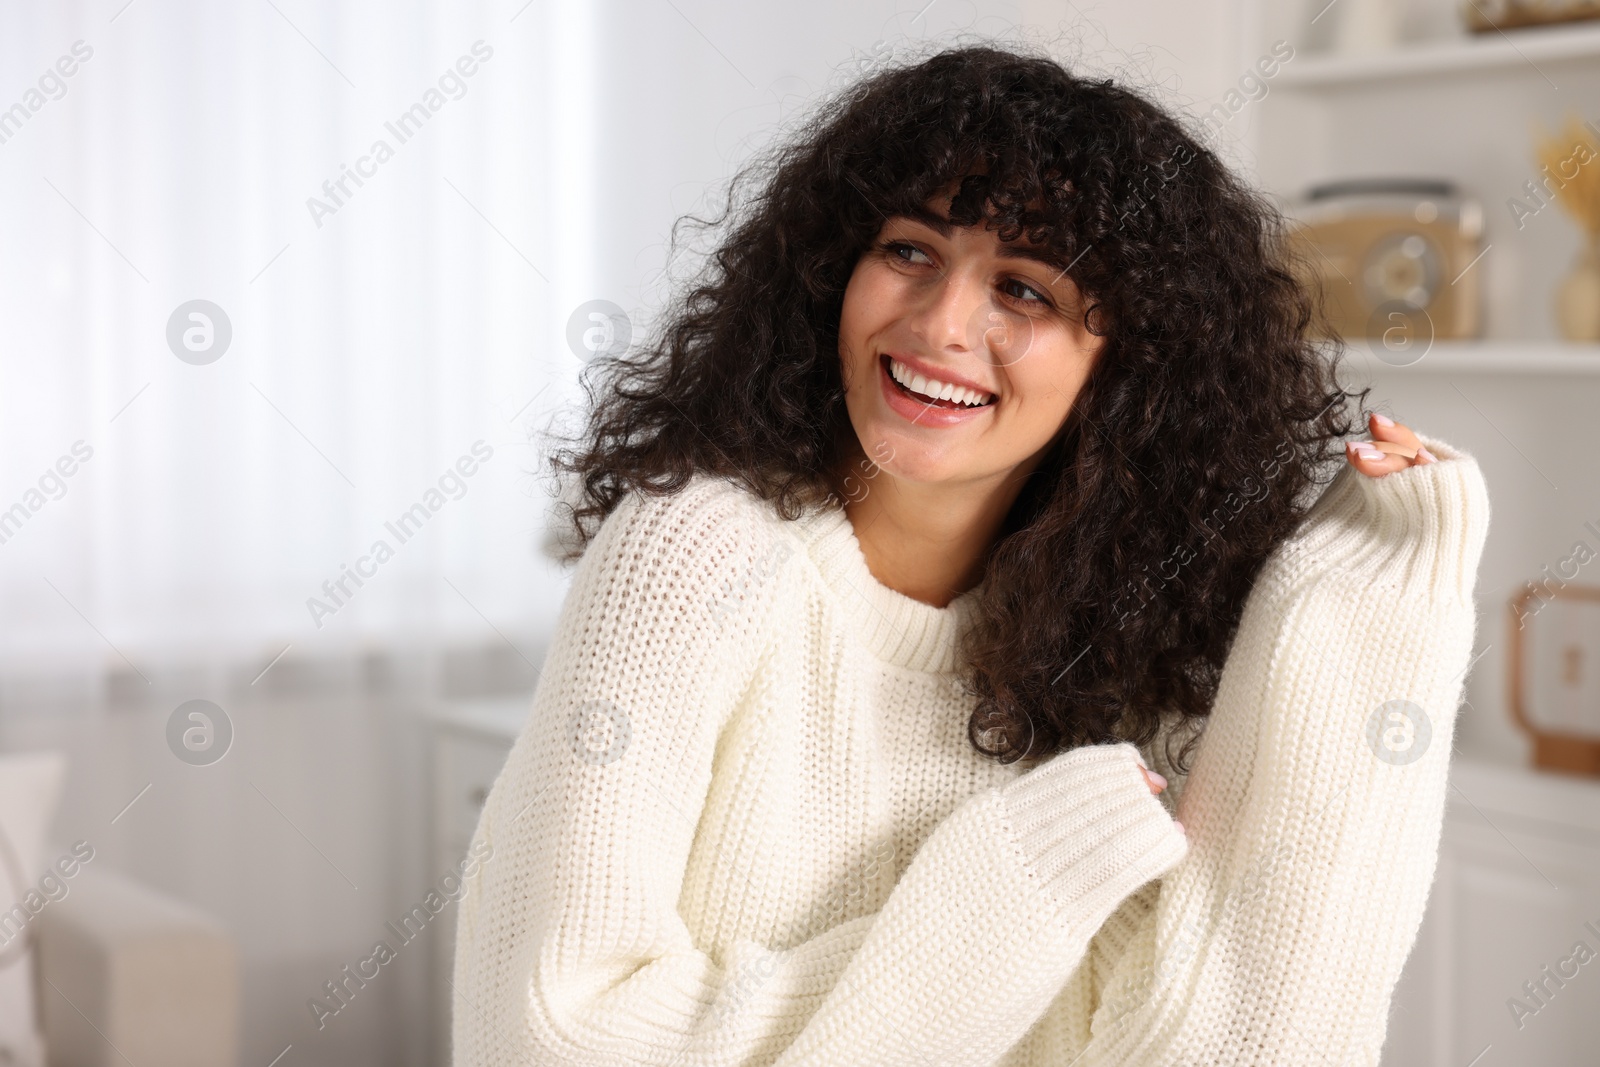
(934, 388)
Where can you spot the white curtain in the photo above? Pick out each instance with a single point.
(389, 333)
(167, 511)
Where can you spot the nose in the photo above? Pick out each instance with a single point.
(952, 312)
(960, 315)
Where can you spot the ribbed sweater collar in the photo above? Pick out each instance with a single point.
(897, 629)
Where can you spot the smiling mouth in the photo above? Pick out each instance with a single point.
(953, 404)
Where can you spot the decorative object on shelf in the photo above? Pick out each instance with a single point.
(1384, 253)
(1491, 16)
(1555, 669)
(1367, 26)
(1571, 163)
(1578, 298)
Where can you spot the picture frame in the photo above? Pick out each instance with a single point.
(1554, 675)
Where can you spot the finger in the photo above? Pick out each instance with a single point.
(1156, 782)
(1388, 431)
(1389, 435)
(1392, 448)
(1371, 461)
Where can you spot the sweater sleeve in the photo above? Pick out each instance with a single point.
(570, 946)
(1316, 799)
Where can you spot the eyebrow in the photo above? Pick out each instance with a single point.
(1008, 249)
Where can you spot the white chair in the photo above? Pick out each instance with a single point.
(128, 974)
(96, 968)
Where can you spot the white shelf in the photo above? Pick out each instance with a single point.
(1484, 357)
(1527, 48)
(501, 718)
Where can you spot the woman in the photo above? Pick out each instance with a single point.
(978, 472)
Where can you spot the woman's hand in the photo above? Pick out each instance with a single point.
(1393, 447)
(1157, 783)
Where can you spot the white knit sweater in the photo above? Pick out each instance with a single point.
(744, 825)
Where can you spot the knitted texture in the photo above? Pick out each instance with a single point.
(744, 825)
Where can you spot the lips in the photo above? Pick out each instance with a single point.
(921, 410)
(932, 387)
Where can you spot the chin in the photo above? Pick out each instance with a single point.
(905, 456)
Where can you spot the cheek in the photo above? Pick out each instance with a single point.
(878, 295)
(1047, 381)
(870, 302)
(851, 346)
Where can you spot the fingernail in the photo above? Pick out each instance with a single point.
(1422, 450)
(1382, 419)
(1161, 782)
(1369, 453)
(1179, 825)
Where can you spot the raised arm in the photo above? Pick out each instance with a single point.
(1316, 799)
(571, 949)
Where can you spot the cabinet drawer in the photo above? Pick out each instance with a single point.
(1515, 892)
(465, 767)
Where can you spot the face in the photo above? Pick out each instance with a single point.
(961, 355)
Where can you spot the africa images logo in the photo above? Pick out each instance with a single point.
(453, 481)
(1399, 732)
(199, 732)
(403, 128)
(199, 332)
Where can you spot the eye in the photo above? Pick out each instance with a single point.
(1023, 292)
(903, 252)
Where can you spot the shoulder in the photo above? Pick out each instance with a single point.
(706, 518)
(710, 546)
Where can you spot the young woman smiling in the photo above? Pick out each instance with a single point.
(986, 465)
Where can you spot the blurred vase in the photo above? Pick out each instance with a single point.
(1578, 298)
(1367, 26)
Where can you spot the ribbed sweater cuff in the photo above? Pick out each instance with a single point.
(1421, 528)
(1090, 828)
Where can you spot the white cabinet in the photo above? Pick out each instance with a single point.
(1518, 888)
(470, 743)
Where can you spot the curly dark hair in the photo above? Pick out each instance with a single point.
(1112, 594)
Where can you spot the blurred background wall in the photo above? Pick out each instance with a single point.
(383, 330)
